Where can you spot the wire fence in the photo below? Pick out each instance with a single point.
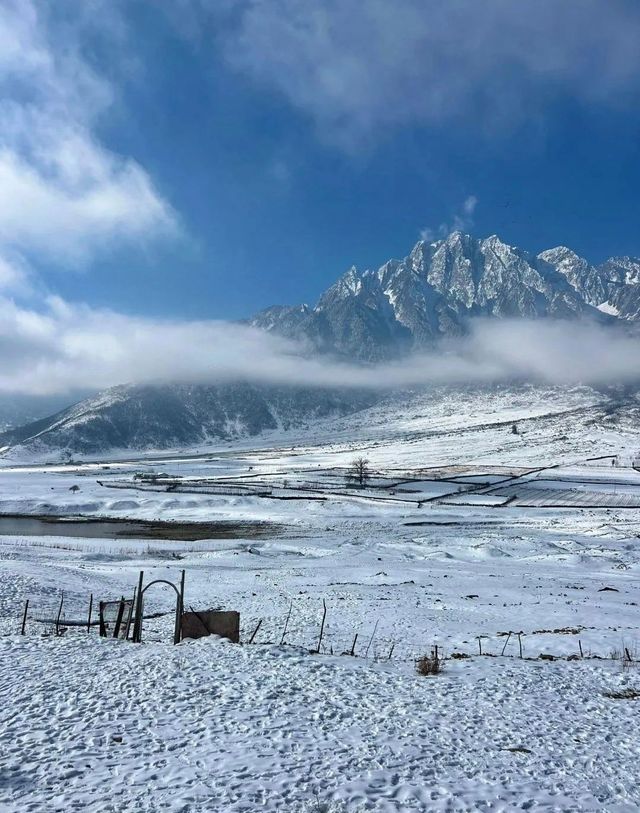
(367, 642)
(61, 615)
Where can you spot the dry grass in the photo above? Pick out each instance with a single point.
(430, 664)
(624, 694)
(627, 655)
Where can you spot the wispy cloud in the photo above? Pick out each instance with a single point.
(14, 274)
(461, 221)
(359, 69)
(64, 196)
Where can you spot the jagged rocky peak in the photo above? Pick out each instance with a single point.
(350, 284)
(623, 270)
(439, 286)
(562, 256)
(613, 286)
(579, 273)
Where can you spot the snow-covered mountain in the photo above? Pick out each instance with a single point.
(365, 316)
(168, 416)
(440, 286)
(613, 286)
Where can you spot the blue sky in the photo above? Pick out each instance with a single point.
(194, 160)
(274, 205)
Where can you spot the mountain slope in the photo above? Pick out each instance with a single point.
(169, 416)
(440, 286)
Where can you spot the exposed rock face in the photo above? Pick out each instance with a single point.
(440, 286)
(613, 287)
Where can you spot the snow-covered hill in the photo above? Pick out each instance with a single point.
(562, 423)
(161, 417)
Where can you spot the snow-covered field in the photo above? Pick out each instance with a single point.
(466, 532)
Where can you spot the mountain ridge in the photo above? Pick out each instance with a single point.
(440, 286)
(365, 316)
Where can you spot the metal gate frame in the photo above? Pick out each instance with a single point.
(137, 626)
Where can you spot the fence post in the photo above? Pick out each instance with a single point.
(353, 646)
(324, 615)
(90, 609)
(129, 617)
(137, 624)
(118, 624)
(286, 624)
(24, 617)
(366, 652)
(255, 632)
(505, 644)
(59, 614)
(177, 634)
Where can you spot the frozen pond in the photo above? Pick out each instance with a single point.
(25, 525)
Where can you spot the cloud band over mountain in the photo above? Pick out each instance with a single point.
(68, 345)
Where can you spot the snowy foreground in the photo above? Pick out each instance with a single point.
(466, 533)
(211, 726)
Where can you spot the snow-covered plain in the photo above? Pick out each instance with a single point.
(467, 532)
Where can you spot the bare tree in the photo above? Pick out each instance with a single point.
(358, 473)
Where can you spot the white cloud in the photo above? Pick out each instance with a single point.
(69, 346)
(14, 274)
(358, 69)
(63, 195)
(469, 205)
(461, 221)
(75, 200)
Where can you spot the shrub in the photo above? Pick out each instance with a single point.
(624, 694)
(430, 664)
